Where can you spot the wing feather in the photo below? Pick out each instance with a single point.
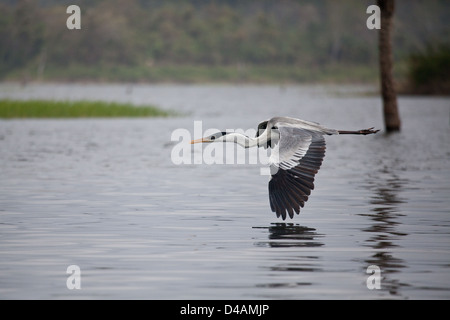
(295, 160)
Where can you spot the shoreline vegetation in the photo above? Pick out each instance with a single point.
(198, 74)
(407, 83)
(17, 109)
(424, 73)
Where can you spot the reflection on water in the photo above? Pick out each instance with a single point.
(386, 187)
(383, 233)
(290, 235)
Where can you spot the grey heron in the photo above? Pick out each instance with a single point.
(297, 151)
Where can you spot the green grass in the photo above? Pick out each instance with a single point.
(75, 109)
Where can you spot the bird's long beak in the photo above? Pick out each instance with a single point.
(199, 141)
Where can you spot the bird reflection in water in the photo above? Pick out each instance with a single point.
(290, 235)
(285, 235)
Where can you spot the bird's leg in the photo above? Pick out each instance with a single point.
(363, 131)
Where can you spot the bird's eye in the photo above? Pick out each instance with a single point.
(212, 137)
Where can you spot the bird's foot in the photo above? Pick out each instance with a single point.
(368, 131)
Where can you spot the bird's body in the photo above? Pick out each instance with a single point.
(297, 151)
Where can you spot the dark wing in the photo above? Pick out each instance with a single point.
(296, 159)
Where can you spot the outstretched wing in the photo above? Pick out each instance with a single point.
(295, 160)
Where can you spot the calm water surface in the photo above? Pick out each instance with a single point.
(104, 194)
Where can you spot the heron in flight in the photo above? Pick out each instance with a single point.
(297, 151)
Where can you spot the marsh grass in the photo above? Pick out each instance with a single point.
(75, 109)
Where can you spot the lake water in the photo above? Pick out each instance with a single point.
(104, 195)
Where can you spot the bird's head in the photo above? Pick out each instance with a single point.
(216, 137)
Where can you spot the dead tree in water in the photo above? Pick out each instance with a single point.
(390, 108)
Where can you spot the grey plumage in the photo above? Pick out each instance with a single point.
(297, 152)
(295, 159)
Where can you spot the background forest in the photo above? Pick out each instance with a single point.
(193, 40)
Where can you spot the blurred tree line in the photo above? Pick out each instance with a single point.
(144, 34)
(429, 71)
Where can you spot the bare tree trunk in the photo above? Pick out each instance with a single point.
(390, 108)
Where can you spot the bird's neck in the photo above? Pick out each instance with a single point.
(241, 140)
